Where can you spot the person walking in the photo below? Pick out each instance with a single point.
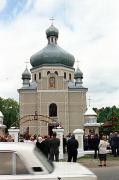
(72, 146)
(103, 151)
(54, 144)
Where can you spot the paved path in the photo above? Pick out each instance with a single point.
(110, 172)
(107, 173)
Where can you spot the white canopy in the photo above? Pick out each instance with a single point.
(90, 112)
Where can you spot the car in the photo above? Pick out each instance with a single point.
(24, 161)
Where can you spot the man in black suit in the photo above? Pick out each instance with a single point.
(72, 146)
(54, 147)
(45, 146)
(116, 144)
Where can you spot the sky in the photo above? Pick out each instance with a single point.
(88, 29)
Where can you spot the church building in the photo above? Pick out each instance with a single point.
(52, 93)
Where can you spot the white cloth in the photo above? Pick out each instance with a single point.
(103, 147)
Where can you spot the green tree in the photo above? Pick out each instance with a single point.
(110, 114)
(10, 109)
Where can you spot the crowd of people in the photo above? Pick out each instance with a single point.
(6, 138)
(50, 145)
(114, 143)
(100, 144)
(91, 142)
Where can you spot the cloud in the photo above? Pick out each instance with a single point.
(2, 4)
(88, 29)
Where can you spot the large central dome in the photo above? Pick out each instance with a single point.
(52, 54)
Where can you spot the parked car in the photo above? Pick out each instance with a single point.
(23, 161)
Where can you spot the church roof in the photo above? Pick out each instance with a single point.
(90, 112)
(52, 54)
(31, 86)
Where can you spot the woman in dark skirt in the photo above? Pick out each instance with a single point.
(103, 151)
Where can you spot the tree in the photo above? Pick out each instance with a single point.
(109, 115)
(10, 109)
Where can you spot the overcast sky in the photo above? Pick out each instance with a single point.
(88, 29)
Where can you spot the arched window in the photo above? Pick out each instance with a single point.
(56, 73)
(48, 72)
(69, 76)
(39, 75)
(35, 77)
(53, 110)
(64, 75)
(52, 39)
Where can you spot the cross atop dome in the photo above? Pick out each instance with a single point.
(89, 100)
(26, 62)
(77, 63)
(52, 19)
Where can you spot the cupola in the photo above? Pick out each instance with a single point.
(78, 76)
(26, 76)
(52, 54)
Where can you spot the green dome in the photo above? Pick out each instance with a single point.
(52, 54)
(52, 31)
(78, 74)
(26, 74)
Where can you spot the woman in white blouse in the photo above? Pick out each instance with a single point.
(103, 151)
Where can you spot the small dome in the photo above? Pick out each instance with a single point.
(52, 31)
(26, 74)
(78, 74)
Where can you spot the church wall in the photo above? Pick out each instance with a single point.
(27, 102)
(77, 107)
(70, 106)
(64, 116)
(45, 84)
(52, 69)
(59, 98)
